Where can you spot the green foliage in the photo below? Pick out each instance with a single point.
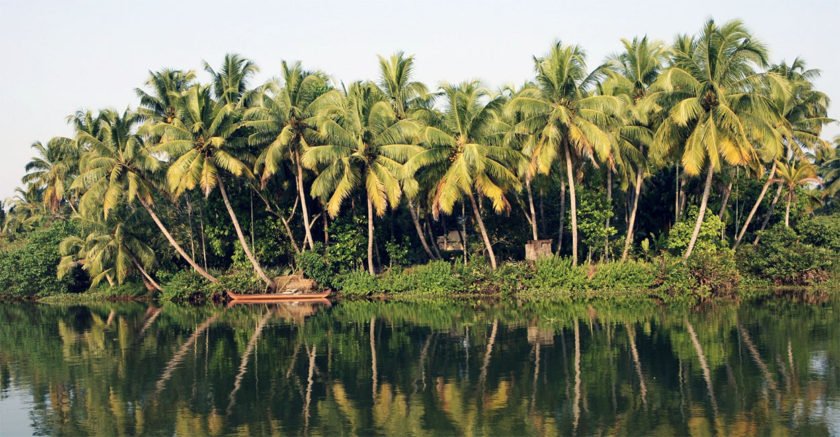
(28, 268)
(436, 277)
(398, 252)
(705, 274)
(358, 283)
(784, 258)
(708, 240)
(630, 275)
(821, 231)
(557, 274)
(348, 243)
(593, 211)
(239, 281)
(185, 286)
(315, 266)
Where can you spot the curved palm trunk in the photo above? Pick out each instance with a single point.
(572, 202)
(628, 240)
(534, 228)
(241, 236)
(483, 231)
(562, 216)
(419, 229)
(371, 268)
(769, 214)
(700, 214)
(755, 207)
(175, 244)
(304, 209)
(146, 275)
(726, 194)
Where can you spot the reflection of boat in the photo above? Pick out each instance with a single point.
(277, 297)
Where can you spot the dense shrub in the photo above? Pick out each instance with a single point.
(821, 231)
(783, 258)
(705, 274)
(242, 280)
(28, 266)
(557, 274)
(630, 275)
(316, 266)
(708, 240)
(358, 283)
(435, 277)
(185, 286)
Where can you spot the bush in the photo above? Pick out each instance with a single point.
(435, 277)
(241, 280)
(630, 275)
(708, 240)
(783, 258)
(821, 231)
(557, 274)
(358, 283)
(317, 267)
(186, 286)
(705, 274)
(28, 267)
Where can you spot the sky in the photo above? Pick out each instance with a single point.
(63, 56)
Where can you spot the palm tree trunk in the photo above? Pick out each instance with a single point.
(607, 224)
(726, 193)
(769, 214)
(758, 201)
(146, 275)
(628, 240)
(700, 214)
(677, 194)
(534, 228)
(416, 220)
(370, 237)
(787, 209)
(483, 230)
(241, 236)
(175, 244)
(304, 209)
(562, 216)
(572, 202)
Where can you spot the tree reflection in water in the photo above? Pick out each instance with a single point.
(402, 368)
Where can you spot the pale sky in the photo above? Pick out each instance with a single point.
(61, 56)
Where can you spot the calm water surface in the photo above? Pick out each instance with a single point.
(440, 368)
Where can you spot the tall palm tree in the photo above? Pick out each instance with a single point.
(26, 210)
(828, 160)
(230, 82)
(119, 168)
(158, 105)
(802, 111)
(406, 97)
(53, 169)
(283, 124)
(793, 175)
(631, 74)
(570, 119)
(200, 142)
(466, 154)
(715, 104)
(365, 144)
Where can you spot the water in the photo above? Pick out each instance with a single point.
(432, 368)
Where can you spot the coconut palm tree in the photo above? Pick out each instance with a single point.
(119, 168)
(793, 175)
(630, 76)
(200, 144)
(466, 155)
(802, 111)
(283, 125)
(569, 118)
(407, 98)
(108, 251)
(53, 169)
(365, 142)
(230, 82)
(828, 160)
(165, 85)
(26, 210)
(715, 104)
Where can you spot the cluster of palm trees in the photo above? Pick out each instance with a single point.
(708, 105)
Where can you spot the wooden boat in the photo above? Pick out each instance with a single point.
(276, 297)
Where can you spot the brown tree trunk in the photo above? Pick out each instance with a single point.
(726, 193)
(758, 201)
(534, 228)
(483, 231)
(572, 202)
(175, 244)
(146, 275)
(607, 224)
(416, 220)
(370, 237)
(700, 214)
(628, 240)
(304, 209)
(241, 237)
(769, 214)
(787, 209)
(562, 216)
(677, 194)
